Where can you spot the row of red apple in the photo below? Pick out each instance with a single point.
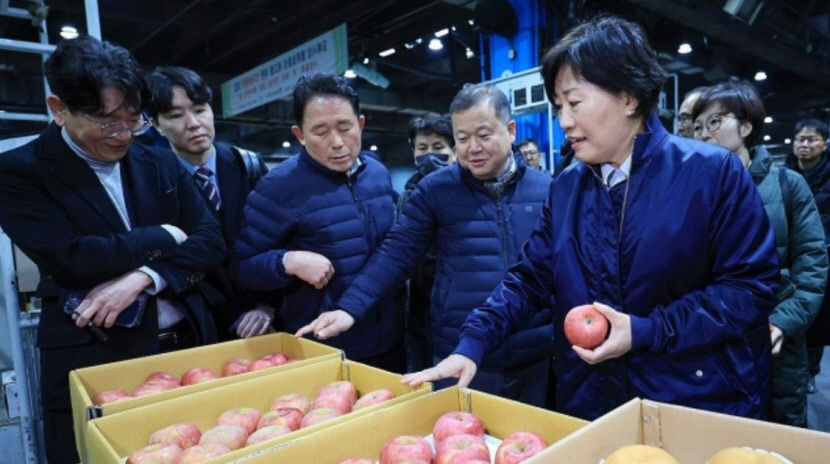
(163, 381)
(459, 438)
(245, 426)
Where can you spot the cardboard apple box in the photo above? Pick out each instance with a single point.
(690, 435)
(112, 438)
(85, 383)
(363, 437)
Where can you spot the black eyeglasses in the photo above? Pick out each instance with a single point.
(712, 123)
(112, 130)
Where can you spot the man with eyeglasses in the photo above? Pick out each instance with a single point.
(684, 114)
(811, 159)
(530, 151)
(118, 231)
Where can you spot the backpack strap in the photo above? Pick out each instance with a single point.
(785, 192)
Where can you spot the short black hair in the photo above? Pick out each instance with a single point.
(431, 123)
(161, 82)
(473, 94)
(526, 141)
(611, 53)
(739, 97)
(320, 84)
(79, 69)
(815, 124)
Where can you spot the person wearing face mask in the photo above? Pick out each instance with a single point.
(731, 114)
(665, 236)
(476, 215)
(432, 148)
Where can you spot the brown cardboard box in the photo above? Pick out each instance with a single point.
(690, 435)
(363, 437)
(85, 383)
(111, 438)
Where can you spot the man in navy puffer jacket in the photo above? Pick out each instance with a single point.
(313, 221)
(478, 213)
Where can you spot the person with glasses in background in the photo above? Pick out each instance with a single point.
(731, 114)
(811, 159)
(118, 231)
(684, 113)
(530, 151)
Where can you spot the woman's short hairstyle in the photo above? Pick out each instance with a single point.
(431, 123)
(740, 98)
(611, 53)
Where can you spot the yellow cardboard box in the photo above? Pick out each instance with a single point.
(85, 383)
(363, 437)
(690, 435)
(111, 438)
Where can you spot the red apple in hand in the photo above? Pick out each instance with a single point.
(455, 422)
(166, 379)
(183, 435)
(585, 327)
(267, 433)
(343, 387)
(373, 397)
(519, 446)
(231, 435)
(315, 416)
(406, 447)
(334, 400)
(156, 454)
(235, 366)
(289, 417)
(461, 448)
(203, 452)
(248, 418)
(198, 375)
(292, 400)
(111, 396)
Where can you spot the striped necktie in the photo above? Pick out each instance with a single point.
(204, 177)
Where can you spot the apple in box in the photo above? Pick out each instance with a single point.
(289, 417)
(292, 400)
(315, 416)
(148, 389)
(358, 461)
(267, 433)
(343, 387)
(372, 398)
(183, 435)
(156, 454)
(461, 448)
(233, 436)
(166, 379)
(276, 358)
(405, 447)
(248, 418)
(203, 452)
(455, 422)
(585, 327)
(198, 375)
(333, 400)
(519, 446)
(111, 396)
(235, 366)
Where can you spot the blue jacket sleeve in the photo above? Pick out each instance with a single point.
(389, 266)
(263, 239)
(744, 275)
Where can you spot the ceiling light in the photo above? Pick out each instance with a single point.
(419, 41)
(442, 32)
(788, 141)
(684, 48)
(349, 74)
(409, 45)
(69, 32)
(452, 28)
(373, 148)
(286, 144)
(470, 53)
(471, 22)
(768, 119)
(387, 52)
(766, 138)
(435, 44)
(365, 60)
(760, 76)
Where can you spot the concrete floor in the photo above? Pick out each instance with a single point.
(818, 403)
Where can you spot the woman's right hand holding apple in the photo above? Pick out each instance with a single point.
(454, 365)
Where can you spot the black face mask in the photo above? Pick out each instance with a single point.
(430, 162)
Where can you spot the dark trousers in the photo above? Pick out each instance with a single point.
(393, 360)
(527, 383)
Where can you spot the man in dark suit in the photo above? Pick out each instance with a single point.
(180, 109)
(118, 231)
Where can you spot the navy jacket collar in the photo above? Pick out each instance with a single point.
(306, 159)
